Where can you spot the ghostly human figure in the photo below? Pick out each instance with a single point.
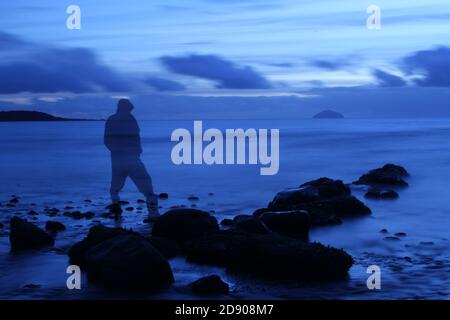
(122, 138)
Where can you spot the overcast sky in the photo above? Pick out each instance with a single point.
(220, 48)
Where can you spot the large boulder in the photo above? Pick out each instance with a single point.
(249, 223)
(120, 259)
(183, 224)
(97, 234)
(270, 256)
(294, 224)
(128, 262)
(25, 235)
(209, 285)
(325, 200)
(389, 174)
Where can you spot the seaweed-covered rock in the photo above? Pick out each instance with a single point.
(184, 224)
(389, 174)
(128, 262)
(293, 224)
(251, 224)
(325, 200)
(122, 260)
(25, 235)
(209, 285)
(270, 256)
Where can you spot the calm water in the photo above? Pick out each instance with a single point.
(51, 164)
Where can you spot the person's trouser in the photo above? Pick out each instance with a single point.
(124, 166)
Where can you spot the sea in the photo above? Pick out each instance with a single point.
(61, 164)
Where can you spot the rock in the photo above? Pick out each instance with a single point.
(96, 235)
(270, 256)
(377, 194)
(400, 234)
(114, 208)
(384, 231)
(121, 259)
(325, 200)
(209, 285)
(391, 238)
(1, 225)
(54, 226)
(389, 174)
(128, 263)
(227, 222)
(14, 200)
(168, 248)
(25, 235)
(140, 201)
(294, 224)
(77, 215)
(129, 208)
(163, 195)
(251, 224)
(184, 224)
(32, 286)
(193, 198)
(328, 114)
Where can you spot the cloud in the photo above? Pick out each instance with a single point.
(39, 69)
(162, 84)
(432, 65)
(330, 65)
(211, 67)
(386, 79)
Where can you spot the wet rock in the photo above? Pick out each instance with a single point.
(114, 208)
(32, 286)
(227, 222)
(251, 224)
(25, 235)
(270, 256)
(392, 238)
(379, 195)
(96, 235)
(14, 200)
(32, 213)
(209, 285)
(140, 201)
(294, 224)
(10, 205)
(163, 195)
(168, 248)
(128, 262)
(325, 200)
(184, 224)
(384, 231)
(54, 226)
(77, 215)
(129, 208)
(400, 234)
(427, 243)
(193, 198)
(88, 201)
(1, 225)
(389, 174)
(123, 202)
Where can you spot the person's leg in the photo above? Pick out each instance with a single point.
(143, 181)
(118, 177)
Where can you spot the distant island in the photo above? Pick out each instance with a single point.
(328, 114)
(9, 116)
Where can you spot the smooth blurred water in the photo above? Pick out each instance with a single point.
(50, 164)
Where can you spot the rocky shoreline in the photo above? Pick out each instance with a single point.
(272, 243)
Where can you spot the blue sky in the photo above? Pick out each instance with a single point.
(219, 48)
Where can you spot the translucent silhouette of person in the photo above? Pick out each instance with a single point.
(122, 138)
